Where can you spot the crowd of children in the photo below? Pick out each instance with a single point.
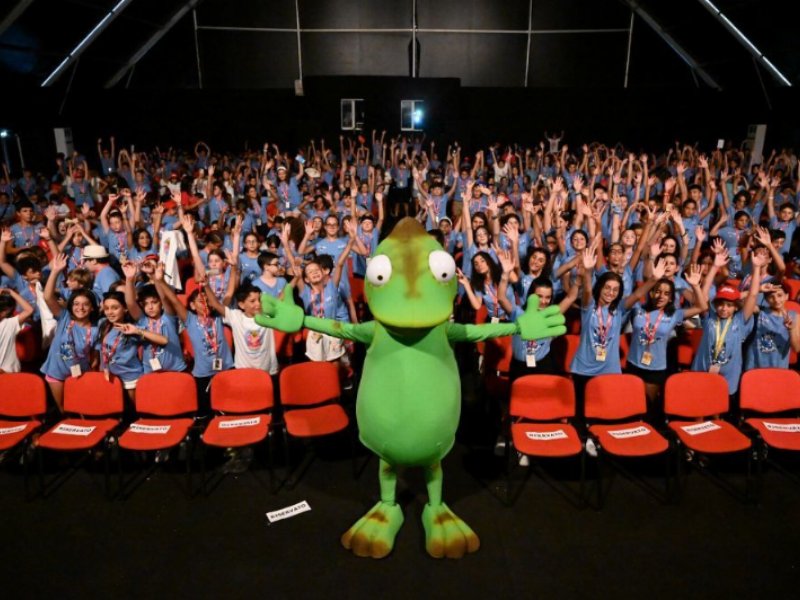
(153, 261)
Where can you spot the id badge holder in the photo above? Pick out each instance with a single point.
(75, 371)
(216, 364)
(288, 205)
(715, 368)
(495, 320)
(647, 358)
(530, 360)
(155, 364)
(600, 354)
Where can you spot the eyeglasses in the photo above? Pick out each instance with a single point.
(274, 264)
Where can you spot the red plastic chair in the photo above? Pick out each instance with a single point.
(243, 400)
(539, 411)
(29, 345)
(794, 288)
(22, 404)
(701, 398)
(93, 398)
(773, 392)
(564, 348)
(310, 394)
(163, 396)
(618, 398)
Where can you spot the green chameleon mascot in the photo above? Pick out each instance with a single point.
(409, 399)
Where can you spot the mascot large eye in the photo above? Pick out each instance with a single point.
(379, 270)
(442, 265)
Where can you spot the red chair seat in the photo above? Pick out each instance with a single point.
(140, 436)
(310, 422)
(237, 430)
(13, 432)
(715, 441)
(783, 440)
(56, 440)
(568, 444)
(628, 441)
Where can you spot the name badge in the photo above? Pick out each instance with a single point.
(75, 371)
(647, 358)
(600, 354)
(216, 364)
(258, 223)
(530, 360)
(155, 364)
(495, 320)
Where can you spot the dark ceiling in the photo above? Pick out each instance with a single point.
(245, 44)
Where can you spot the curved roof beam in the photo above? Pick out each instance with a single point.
(679, 50)
(86, 42)
(745, 41)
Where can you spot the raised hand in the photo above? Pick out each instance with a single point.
(59, 263)
(659, 269)
(506, 261)
(762, 236)
(589, 258)
(127, 328)
(721, 259)
(759, 258)
(693, 276)
(700, 234)
(129, 269)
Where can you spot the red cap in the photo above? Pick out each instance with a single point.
(727, 292)
(169, 204)
(151, 257)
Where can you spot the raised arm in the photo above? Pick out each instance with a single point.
(57, 266)
(129, 269)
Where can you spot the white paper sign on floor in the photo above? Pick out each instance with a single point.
(546, 436)
(783, 427)
(700, 428)
(74, 429)
(289, 511)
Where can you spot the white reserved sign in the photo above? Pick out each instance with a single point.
(239, 423)
(289, 511)
(700, 428)
(621, 434)
(10, 430)
(783, 427)
(153, 429)
(546, 436)
(74, 429)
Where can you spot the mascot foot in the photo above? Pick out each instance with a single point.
(373, 534)
(445, 534)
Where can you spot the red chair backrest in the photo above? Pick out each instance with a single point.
(166, 394)
(612, 397)
(570, 343)
(498, 354)
(90, 394)
(241, 391)
(770, 390)
(624, 348)
(542, 397)
(695, 394)
(22, 395)
(28, 345)
(794, 287)
(309, 383)
(792, 305)
(688, 346)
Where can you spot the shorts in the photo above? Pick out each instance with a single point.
(658, 378)
(49, 379)
(131, 384)
(321, 347)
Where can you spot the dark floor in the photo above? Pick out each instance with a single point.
(160, 544)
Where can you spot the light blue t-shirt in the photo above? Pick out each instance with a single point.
(771, 343)
(599, 338)
(646, 337)
(729, 358)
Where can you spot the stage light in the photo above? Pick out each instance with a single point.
(412, 115)
(418, 117)
(4, 133)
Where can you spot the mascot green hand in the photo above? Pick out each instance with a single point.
(409, 399)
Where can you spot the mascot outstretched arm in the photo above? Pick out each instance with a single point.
(409, 399)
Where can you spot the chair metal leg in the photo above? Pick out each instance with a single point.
(189, 451)
(582, 485)
(271, 460)
(599, 481)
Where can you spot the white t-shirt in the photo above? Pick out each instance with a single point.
(9, 361)
(253, 345)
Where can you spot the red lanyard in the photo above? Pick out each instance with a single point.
(603, 329)
(650, 332)
(367, 241)
(318, 309)
(108, 353)
(88, 343)
(27, 240)
(153, 326)
(490, 291)
(210, 333)
(531, 346)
